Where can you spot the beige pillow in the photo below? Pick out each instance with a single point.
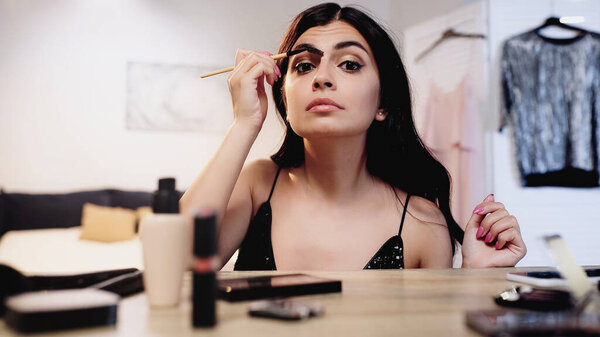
(107, 224)
(141, 213)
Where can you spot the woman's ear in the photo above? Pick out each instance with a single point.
(283, 98)
(381, 115)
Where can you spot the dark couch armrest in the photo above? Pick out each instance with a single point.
(35, 211)
(133, 199)
(3, 228)
(130, 199)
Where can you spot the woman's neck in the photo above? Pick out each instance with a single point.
(335, 167)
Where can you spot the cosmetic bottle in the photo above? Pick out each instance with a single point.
(166, 244)
(204, 291)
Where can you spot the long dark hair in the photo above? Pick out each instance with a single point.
(395, 152)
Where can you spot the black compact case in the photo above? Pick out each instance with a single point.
(526, 297)
(52, 310)
(250, 288)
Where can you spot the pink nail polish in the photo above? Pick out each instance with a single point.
(266, 53)
(488, 238)
(478, 210)
(497, 245)
(479, 232)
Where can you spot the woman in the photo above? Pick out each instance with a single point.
(352, 186)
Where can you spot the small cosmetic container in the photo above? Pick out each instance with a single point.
(167, 245)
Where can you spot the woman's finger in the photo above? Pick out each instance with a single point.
(506, 236)
(490, 219)
(488, 207)
(245, 59)
(240, 55)
(499, 226)
(247, 69)
(261, 69)
(244, 65)
(473, 224)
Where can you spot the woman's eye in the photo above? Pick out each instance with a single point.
(351, 66)
(303, 67)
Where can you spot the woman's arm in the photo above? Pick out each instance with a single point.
(217, 186)
(438, 247)
(431, 234)
(214, 185)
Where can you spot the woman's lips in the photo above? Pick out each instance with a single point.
(323, 105)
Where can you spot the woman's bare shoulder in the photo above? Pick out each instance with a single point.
(425, 211)
(429, 235)
(258, 168)
(259, 174)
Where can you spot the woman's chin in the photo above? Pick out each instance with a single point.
(330, 127)
(333, 132)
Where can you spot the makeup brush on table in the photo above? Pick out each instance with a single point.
(274, 57)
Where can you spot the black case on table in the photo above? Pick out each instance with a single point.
(250, 288)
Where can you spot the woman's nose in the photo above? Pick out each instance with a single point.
(323, 79)
(318, 84)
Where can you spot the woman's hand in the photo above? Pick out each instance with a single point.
(492, 237)
(247, 87)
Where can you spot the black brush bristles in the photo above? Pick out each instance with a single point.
(308, 49)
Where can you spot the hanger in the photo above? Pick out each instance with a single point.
(447, 34)
(555, 21)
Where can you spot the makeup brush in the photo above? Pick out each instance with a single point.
(274, 57)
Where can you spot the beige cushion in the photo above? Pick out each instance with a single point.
(141, 213)
(107, 224)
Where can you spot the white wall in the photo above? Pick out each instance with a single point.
(407, 13)
(63, 82)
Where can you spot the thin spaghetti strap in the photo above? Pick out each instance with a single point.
(404, 214)
(274, 181)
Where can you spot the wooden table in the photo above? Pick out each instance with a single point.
(372, 303)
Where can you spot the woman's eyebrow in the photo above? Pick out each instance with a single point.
(338, 46)
(309, 47)
(346, 44)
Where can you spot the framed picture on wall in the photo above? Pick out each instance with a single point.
(170, 97)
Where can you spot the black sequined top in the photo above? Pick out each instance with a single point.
(256, 251)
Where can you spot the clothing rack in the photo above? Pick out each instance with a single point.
(448, 34)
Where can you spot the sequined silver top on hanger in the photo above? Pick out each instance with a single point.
(552, 101)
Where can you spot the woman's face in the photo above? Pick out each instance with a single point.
(336, 94)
